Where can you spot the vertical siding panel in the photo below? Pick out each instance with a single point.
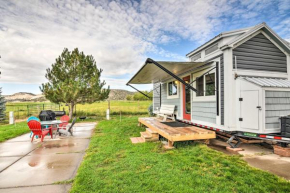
(156, 96)
(222, 88)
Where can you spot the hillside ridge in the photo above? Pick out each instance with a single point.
(115, 94)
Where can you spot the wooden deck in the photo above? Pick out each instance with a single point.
(176, 133)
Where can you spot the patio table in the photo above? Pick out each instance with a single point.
(53, 122)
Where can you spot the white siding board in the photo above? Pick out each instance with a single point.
(277, 103)
(204, 111)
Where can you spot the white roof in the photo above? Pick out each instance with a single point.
(269, 82)
(242, 33)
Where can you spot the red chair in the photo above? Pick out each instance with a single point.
(35, 127)
(64, 118)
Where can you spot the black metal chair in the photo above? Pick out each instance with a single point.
(70, 129)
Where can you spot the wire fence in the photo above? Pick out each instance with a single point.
(98, 109)
(24, 111)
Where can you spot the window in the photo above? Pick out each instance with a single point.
(199, 85)
(196, 57)
(205, 85)
(172, 88)
(211, 49)
(210, 84)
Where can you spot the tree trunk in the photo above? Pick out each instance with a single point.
(71, 110)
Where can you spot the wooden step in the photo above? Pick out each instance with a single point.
(137, 140)
(148, 137)
(151, 131)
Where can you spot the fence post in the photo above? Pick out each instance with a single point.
(28, 110)
(18, 113)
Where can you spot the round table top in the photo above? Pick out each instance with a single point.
(53, 122)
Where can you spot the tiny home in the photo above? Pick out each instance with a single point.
(236, 82)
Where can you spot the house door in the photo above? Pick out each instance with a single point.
(250, 108)
(186, 100)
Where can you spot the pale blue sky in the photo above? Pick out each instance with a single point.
(119, 34)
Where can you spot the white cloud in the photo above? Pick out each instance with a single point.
(117, 33)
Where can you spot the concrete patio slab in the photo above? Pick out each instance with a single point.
(65, 145)
(260, 157)
(38, 189)
(40, 169)
(7, 161)
(17, 148)
(82, 134)
(21, 138)
(37, 166)
(271, 164)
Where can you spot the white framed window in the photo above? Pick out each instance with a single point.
(172, 89)
(205, 85)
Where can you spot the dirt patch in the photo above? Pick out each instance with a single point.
(222, 149)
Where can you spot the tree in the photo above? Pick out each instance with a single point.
(129, 97)
(74, 78)
(140, 97)
(2, 106)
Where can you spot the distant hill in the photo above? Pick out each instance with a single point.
(115, 94)
(24, 97)
(118, 94)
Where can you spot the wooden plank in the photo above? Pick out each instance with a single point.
(178, 133)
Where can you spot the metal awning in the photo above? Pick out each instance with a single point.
(269, 82)
(153, 73)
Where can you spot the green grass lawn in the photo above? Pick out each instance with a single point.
(10, 131)
(113, 164)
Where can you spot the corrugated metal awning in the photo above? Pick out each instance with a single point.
(269, 82)
(150, 73)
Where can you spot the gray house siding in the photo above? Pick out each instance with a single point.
(204, 111)
(156, 95)
(277, 104)
(259, 53)
(166, 101)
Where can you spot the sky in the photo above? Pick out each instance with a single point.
(119, 34)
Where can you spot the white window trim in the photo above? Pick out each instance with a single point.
(172, 96)
(203, 98)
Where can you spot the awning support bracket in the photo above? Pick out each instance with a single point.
(149, 60)
(139, 91)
